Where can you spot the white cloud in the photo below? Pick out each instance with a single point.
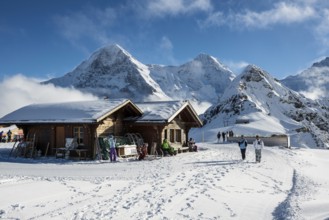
(236, 66)
(322, 29)
(315, 93)
(281, 13)
(166, 44)
(176, 7)
(19, 91)
(166, 50)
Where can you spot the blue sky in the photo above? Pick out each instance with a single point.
(44, 39)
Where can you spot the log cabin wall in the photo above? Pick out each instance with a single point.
(41, 134)
(175, 132)
(106, 127)
(55, 135)
(111, 125)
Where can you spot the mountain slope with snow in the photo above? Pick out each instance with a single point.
(111, 71)
(257, 97)
(312, 82)
(204, 78)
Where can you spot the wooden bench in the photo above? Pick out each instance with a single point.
(80, 152)
(180, 148)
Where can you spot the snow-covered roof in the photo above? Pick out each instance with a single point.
(66, 112)
(164, 111)
(95, 111)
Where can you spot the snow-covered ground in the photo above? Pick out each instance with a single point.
(210, 184)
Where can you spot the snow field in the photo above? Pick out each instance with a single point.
(211, 184)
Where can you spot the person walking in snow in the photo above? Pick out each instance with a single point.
(224, 136)
(9, 136)
(218, 136)
(258, 145)
(113, 152)
(243, 147)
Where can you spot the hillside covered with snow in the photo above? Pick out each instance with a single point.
(258, 99)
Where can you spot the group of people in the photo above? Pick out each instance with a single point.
(258, 146)
(6, 138)
(142, 150)
(224, 135)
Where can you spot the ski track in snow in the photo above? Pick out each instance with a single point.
(211, 184)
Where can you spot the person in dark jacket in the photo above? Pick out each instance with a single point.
(243, 147)
(224, 136)
(218, 136)
(9, 136)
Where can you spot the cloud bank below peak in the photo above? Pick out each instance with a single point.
(19, 91)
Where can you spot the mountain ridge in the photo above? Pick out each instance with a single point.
(111, 71)
(254, 94)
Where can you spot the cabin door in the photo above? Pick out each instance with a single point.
(60, 134)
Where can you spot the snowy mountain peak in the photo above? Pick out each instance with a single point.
(108, 55)
(208, 60)
(113, 72)
(322, 63)
(254, 73)
(205, 58)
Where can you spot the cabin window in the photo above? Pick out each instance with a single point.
(78, 132)
(166, 134)
(178, 135)
(172, 135)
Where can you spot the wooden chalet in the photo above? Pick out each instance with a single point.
(51, 124)
(171, 120)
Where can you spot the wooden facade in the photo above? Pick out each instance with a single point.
(124, 118)
(174, 128)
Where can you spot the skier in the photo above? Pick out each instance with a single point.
(258, 145)
(243, 147)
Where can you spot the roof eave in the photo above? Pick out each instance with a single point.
(117, 108)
